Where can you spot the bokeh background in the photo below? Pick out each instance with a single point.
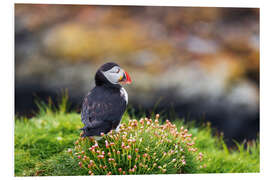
(200, 63)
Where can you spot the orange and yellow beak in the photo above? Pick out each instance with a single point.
(125, 78)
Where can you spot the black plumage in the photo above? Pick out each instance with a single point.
(104, 105)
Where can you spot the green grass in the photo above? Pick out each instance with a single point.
(41, 145)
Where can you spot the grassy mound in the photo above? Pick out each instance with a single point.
(143, 147)
(49, 145)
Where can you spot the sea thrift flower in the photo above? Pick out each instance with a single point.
(145, 155)
(100, 156)
(129, 156)
(106, 144)
(183, 162)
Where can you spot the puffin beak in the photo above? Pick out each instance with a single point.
(125, 78)
(128, 79)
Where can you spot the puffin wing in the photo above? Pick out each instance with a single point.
(101, 114)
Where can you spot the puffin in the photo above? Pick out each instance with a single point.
(103, 107)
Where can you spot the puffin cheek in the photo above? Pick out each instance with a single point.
(114, 78)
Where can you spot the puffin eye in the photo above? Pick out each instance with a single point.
(118, 70)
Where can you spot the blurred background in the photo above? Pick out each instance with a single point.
(200, 63)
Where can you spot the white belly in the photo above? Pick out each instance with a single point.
(124, 94)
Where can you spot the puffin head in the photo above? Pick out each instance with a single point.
(111, 74)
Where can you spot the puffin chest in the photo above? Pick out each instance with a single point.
(123, 94)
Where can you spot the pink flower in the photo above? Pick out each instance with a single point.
(100, 156)
(106, 144)
(145, 155)
(184, 162)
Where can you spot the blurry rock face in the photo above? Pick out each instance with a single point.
(202, 62)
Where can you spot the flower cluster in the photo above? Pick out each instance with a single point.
(140, 147)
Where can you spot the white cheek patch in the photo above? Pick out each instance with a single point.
(112, 76)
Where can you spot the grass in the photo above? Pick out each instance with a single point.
(42, 142)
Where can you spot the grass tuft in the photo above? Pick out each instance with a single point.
(140, 147)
